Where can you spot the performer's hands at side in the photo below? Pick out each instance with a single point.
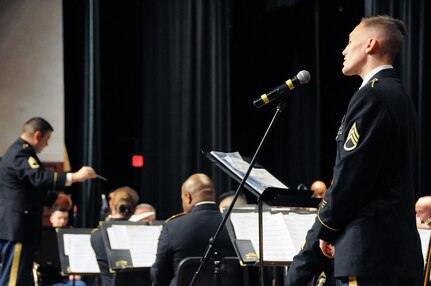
(83, 174)
(327, 249)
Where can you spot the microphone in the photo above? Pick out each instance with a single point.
(104, 209)
(301, 78)
(301, 187)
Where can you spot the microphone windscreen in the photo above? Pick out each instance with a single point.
(303, 76)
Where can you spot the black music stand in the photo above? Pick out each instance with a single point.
(272, 196)
(74, 249)
(297, 222)
(131, 262)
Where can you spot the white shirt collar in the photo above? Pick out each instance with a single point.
(205, 202)
(373, 72)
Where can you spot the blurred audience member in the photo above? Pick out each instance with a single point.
(63, 201)
(59, 217)
(49, 272)
(423, 212)
(144, 212)
(319, 189)
(225, 199)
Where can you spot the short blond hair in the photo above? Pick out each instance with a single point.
(393, 29)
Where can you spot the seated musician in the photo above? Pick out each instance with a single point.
(122, 203)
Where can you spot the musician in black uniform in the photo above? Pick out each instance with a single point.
(423, 212)
(367, 216)
(188, 235)
(122, 204)
(24, 186)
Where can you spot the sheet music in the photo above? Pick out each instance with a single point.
(118, 237)
(138, 217)
(82, 258)
(140, 240)
(283, 234)
(277, 242)
(143, 244)
(299, 225)
(259, 178)
(424, 234)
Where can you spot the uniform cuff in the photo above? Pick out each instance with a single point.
(68, 179)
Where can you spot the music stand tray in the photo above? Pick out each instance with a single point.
(130, 246)
(75, 251)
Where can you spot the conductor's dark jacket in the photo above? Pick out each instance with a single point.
(185, 236)
(368, 212)
(24, 186)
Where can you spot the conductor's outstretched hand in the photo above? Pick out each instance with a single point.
(83, 174)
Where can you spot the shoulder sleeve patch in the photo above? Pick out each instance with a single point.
(352, 139)
(33, 163)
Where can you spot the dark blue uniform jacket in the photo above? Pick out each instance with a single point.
(24, 185)
(185, 236)
(368, 212)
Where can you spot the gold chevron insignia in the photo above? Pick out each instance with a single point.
(33, 163)
(352, 139)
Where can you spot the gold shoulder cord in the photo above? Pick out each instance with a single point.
(175, 216)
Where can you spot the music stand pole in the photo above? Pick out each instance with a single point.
(213, 240)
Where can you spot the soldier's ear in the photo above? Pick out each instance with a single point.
(188, 198)
(373, 46)
(37, 135)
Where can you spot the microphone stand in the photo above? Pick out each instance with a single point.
(212, 241)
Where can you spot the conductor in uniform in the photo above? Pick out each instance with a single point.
(188, 234)
(366, 220)
(24, 186)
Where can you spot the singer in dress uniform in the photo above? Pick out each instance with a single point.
(367, 216)
(24, 186)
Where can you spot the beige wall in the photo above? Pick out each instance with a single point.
(31, 70)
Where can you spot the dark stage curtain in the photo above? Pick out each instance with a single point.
(185, 95)
(149, 77)
(82, 104)
(169, 79)
(414, 66)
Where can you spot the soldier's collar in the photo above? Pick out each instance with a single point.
(373, 72)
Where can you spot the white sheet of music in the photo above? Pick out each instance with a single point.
(82, 258)
(277, 242)
(298, 225)
(143, 244)
(424, 234)
(118, 237)
(140, 240)
(259, 178)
